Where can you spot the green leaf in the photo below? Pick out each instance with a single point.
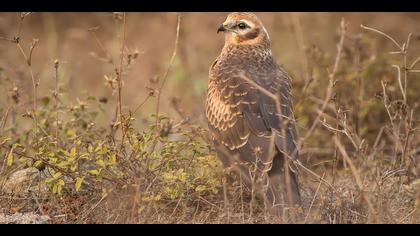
(78, 184)
(46, 101)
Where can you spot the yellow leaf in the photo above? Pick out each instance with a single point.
(10, 157)
(84, 156)
(73, 152)
(78, 184)
(90, 148)
(71, 134)
(60, 185)
(54, 190)
(104, 192)
(94, 172)
(200, 188)
(113, 158)
(37, 163)
(100, 163)
(73, 167)
(57, 175)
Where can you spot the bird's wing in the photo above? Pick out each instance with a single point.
(245, 118)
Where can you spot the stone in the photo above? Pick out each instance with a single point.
(21, 181)
(24, 218)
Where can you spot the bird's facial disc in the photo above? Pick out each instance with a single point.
(240, 27)
(242, 31)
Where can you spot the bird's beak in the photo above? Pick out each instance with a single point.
(225, 27)
(222, 28)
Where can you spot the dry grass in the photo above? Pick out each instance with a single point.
(124, 139)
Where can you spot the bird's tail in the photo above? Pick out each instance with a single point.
(283, 187)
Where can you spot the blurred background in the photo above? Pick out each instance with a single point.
(304, 43)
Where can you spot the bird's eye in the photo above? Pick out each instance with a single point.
(242, 25)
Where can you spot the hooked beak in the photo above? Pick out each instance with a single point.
(222, 28)
(226, 27)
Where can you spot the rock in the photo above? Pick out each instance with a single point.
(24, 218)
(21, 181)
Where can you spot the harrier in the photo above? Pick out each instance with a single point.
(249, 112)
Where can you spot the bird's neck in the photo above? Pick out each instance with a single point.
(247, 50)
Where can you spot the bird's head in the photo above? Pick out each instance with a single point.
(244, 28)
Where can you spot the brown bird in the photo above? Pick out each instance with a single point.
(249, 112)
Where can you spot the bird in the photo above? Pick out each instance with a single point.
(249, 112)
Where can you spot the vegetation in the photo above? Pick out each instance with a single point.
(108, 158)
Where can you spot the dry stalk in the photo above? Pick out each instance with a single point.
(331, 84)
(160, 89)
(3, 120)
(313, 199)
(297, 26)
(165, 76)
(356, 176)
(28, 61)
(119, 79)
(56, 65)
(402, 50)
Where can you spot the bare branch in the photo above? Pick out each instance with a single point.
(313, 199)
(385, 35)
(33, 45)
(400, 83)
(119, 79)
(329, 92)
(171, 61)
(413, 64)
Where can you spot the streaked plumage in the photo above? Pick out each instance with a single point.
(243, 120)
